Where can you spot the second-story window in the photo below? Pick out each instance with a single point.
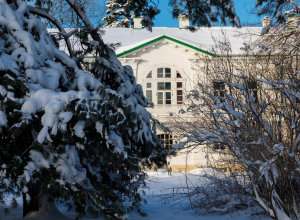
(179, 93)
(149, 95)
(164, 97)
(163, 72)
(149, 75)
(164, 86)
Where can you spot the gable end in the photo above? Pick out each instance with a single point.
(169, 38)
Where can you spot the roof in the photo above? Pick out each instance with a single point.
(202, 39)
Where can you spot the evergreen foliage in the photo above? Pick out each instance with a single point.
(276, 8)
(203, 13)
(121, 12)
(200, 12)
(80, 138)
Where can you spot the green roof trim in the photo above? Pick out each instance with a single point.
(169, 38)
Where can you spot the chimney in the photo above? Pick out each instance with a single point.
(137, 22)
(184, 21)
(266, 21)
(292, 21)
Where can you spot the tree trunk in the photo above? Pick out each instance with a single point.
(47, 211)
(33, 205)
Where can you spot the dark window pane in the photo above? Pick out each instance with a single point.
(149, 75)
(149, 95)
(160, 73)
(160, 70)
(179, 98)
(222, 85)
(166, 136)
(148, 92)
(148, 85)
(216, 146)
(160, 95)
(168, 72)
(179, 92)
(160, 86)
(255, 94)
(179, 85)
(168, 95)
(168, 102)
(178, 75)
(252, 84)
(216, 85)
(168, 86)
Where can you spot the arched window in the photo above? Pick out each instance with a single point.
(165, 86)
(149, 75)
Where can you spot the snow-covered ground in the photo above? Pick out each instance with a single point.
(157, 184)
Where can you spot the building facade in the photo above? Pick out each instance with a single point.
(165, 62)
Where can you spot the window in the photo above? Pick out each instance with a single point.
(163, 86)
(149, 95)
(160, 98)
(149, 75)
(160, 72)
(163, 72)
(164, 97)
(253, 89)
(167, 72)
(166, 140)
(179, 93)
(165, 92)
(219, 146)
(168, 98)
(179, 97)
(219, 88)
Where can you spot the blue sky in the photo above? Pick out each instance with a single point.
(242, 8)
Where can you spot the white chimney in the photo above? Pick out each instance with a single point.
(184, 21)
(266, 21)
(292, 21)
(137, 22)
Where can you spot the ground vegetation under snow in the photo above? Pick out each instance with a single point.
(159, 205)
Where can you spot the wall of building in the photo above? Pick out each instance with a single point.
(180, 59)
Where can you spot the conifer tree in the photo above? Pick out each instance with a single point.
(200, 12)
(76, 137)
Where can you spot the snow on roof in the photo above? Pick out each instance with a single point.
(202, 38)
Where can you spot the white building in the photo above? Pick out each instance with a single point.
(164, 62)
